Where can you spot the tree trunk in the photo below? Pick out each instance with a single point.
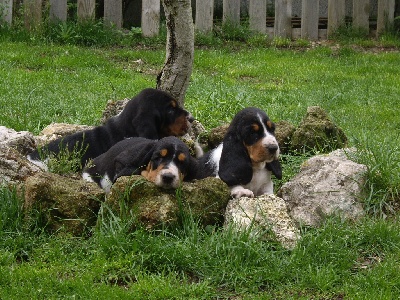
(175, 75)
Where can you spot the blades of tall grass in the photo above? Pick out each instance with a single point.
(11, 211)
(382, 157)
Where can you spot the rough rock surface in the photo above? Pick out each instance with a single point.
(22, 141)
(66, 204)
(318, 131)
(216, 135)
(57, 130)
(152, 206)
(326, 185)
(263, 215)
(14, 167)
(113, 108)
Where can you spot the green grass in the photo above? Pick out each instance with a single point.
(45, 79)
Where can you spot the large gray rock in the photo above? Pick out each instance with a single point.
(147, 205)
(66, 204)
(326, 185)
(266, 216)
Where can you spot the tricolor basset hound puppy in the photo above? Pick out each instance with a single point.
(166, 162)
(247, 156)
(151, 114)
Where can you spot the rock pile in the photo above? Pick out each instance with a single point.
(326, 185)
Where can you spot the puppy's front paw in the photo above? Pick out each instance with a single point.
(239, 191)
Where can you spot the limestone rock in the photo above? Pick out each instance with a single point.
(14, 167)
(57, 130)
(63, 203)
(22, 141)
(318, 131)
(326, 185)
(152, 206)
(263, 215)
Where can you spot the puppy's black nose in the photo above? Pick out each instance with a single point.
(189, 117)
(168, 178)
(272, 148)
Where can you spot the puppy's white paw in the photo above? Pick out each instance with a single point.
(239, 191)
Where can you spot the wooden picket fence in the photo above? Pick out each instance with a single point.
(204, 17)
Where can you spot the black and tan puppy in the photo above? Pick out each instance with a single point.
(151, 114)
(247, 156)
(165, 162)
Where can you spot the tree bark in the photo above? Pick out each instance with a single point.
(175, 75)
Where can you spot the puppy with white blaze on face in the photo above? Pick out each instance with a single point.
(166, 162)
(247, 156)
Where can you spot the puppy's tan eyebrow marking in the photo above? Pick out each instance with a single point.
(163, 152)
(173, 103)
(181, 157)
(269, 124)
(256, 127)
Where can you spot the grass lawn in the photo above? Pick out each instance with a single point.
(359, 88)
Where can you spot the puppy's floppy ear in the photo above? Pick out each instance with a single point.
(132, 161)
(147, 127)
(192, 169)
(275, 167)
(234, 165)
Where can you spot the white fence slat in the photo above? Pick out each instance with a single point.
(361, 9)
(58, 10)
(6, 7)
(150, 18)
(113, 12)
(204, 15)
(258, 15)
(283, 18)
(309, 19)
(336, 15)
(231, 12)
(385, 15)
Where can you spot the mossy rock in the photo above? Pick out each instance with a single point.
(317, 131)
(61, 203)
(283, 133)
(216, 135)
(149, 206)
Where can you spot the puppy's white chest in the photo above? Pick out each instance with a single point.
(261, 182)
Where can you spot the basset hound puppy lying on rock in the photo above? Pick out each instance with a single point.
(166, 162)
